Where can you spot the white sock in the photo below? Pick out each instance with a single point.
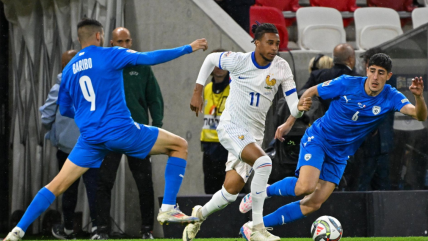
(67, 231)
(94, 229)
(262, 169)
(167, 207)
(219, 201)
(18, 230)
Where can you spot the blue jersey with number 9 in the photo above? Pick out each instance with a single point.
(352, 114)
(93, 83)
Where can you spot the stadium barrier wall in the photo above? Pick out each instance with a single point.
(362, 214)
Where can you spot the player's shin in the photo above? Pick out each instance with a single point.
(285, 214)
(285, 187)
(40, 203)
(218, 201)
(174, 174)
(262, 169)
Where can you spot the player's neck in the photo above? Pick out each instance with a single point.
(87, 44)
(369, 92)
(260, 60)
(218, 79)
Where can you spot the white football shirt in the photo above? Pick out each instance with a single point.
(252, 89)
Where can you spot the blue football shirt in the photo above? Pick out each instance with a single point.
(352, 114)
(92, 85)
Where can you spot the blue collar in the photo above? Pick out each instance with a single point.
(253, 58)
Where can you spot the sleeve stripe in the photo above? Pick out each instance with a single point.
(219, 60)
(287, 93)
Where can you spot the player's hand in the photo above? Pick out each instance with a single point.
(304, 104)
(199, 44)
(196, 103)
(417, 86)
(281, 131)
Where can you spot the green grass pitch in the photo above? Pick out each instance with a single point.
(283, 239)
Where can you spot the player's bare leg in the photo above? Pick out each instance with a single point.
(69, 173)
(313, 201)
(176, 148)
(232, 185)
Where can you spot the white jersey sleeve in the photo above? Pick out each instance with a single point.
(289, 89)
(229, 60)
(211, 61)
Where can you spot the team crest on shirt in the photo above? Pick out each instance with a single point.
(376, 109)
(270, 82)
(308, 156)
(326, 83)
(241, 137)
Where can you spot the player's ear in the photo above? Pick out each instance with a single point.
(389, 76)
(111, 43)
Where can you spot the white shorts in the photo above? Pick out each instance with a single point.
(234, 139)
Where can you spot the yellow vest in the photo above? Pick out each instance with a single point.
(214, 106)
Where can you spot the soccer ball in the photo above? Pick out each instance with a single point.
(326, 228)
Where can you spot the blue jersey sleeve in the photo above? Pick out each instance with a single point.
(121, 57)
(65, 101)
(332, 88)
(398, 100)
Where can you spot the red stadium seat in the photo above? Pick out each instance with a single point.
(281, 5)
(397, 5)
(340, 5)
(270, 15)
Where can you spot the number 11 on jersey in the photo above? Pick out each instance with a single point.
(252, 98)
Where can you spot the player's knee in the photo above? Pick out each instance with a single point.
(231, 188)
(304, 188)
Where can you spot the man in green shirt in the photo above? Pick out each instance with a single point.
(142, 94)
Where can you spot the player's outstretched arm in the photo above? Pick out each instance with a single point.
(199, 44)
(211, 61)
(418, 111)
(165, 55)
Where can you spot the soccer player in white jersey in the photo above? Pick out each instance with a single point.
(255, 79)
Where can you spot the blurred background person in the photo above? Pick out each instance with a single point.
(63, 134)
(215, 155)
(142, 94)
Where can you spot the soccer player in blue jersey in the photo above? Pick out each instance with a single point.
(358, 106)
(92, 93)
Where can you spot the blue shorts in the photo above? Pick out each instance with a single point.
(312, 154)
(136, 141)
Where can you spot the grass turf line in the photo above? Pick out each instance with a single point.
(282, 239)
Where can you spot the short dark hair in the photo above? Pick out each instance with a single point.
(381, 60)
(260, 29)
(89, 22)
(369, 53)
(91, 25)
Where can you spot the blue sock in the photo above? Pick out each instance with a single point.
(283, 215)
(174, 174)
(285, 187)
(40, 203)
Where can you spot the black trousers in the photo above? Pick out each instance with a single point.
(142, 173)
(69, 198)
(213, 163)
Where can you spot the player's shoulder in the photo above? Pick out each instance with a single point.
(235, 55)
(350, 80)
(279, 62)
